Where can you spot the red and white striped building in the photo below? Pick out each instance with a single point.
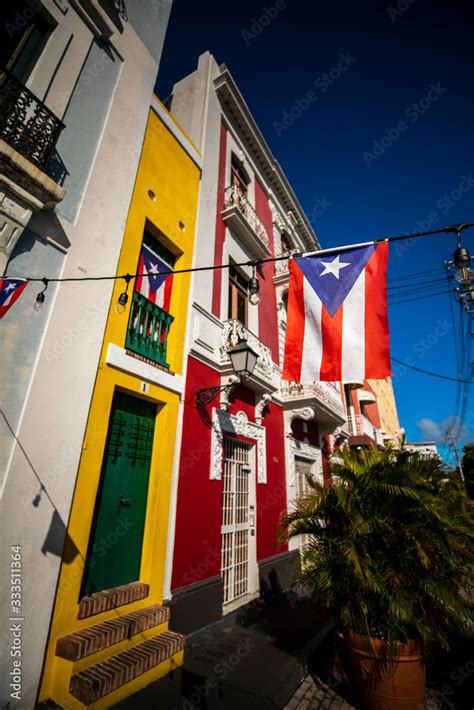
(243, 458)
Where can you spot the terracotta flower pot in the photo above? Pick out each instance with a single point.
(401, 687)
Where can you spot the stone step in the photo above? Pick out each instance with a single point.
(95, 638)
(96, 681)
(98, 602)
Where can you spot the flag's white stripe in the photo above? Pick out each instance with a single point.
(353, 332)
(313, 344)
(7, 301)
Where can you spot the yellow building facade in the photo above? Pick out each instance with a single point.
(383, 389)
(109, 632)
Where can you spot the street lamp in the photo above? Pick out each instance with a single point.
(243, 359)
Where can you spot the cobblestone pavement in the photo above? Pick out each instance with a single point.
(313, 695)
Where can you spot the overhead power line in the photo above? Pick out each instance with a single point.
(418, 298)
(432, 374)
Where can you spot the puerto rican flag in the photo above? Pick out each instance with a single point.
(10, 291)
(337, 325)
(156, 286)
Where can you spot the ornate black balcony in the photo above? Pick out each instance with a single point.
(26, 124)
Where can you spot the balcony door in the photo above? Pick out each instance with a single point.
(238, 176)
(115, 544)
(238, 302)
(238, 552)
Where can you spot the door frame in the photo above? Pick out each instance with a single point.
(252, 569)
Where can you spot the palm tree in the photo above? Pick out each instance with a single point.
(386, 554)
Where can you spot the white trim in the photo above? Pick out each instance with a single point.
(117, 357)
(236, 424)
(306, 451)
(176, 131)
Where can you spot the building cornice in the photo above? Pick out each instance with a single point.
(232, 100)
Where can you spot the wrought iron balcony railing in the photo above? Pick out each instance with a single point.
(148, 329)
(234, 197)
(26, 124)
(325, 392)
(233, 332)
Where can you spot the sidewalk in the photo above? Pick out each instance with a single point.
(255, 658)
(313, 695)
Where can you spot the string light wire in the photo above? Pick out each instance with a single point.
(255, 262)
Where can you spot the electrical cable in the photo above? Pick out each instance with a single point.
(429, 372)
(416, 284)
(456, 228)
(418, 298)
(413, 275)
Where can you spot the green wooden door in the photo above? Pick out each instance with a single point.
(115, 545)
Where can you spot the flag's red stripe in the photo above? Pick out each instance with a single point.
(331, 362)
(295, 325)
(377, 344)
(14, 297)
(167, 293)
(141, 270)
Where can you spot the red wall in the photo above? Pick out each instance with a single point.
(220, 226)
(371, 409)
(312, 434)
(198, 516)
(267, 308)
(271, 496)
(199, 505)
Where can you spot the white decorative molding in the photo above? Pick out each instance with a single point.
(117, 357)
(266, 398)
(304, 450)
(305, 413)
(325, 393)
(276, 217)
(233, 332)
(238, 424)
(233, 380)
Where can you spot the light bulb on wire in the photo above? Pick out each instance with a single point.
(462, 262)
(40, 298)
(254, 288)
(121, 305)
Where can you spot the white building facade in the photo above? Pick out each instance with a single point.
(245, 453)
(76, 83)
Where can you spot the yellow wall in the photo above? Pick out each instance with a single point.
(383, 389)
(167, 170)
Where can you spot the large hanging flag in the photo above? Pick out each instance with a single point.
(10, 291)
(337, 325)
(154, 285)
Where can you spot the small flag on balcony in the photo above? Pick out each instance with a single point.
(337, 326)
(10, 291)
(155, 285)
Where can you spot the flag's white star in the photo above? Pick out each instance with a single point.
(10, 287)
(333, 267)
(154, 269)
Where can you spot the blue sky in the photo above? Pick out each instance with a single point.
(369, 108)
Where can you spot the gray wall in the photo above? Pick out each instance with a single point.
(150, 26)
(85, 119)
(21, 330)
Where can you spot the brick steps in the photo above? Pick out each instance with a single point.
(96, 681)
(95, 638)
(112, 598)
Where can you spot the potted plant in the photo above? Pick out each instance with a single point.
(391, 560)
